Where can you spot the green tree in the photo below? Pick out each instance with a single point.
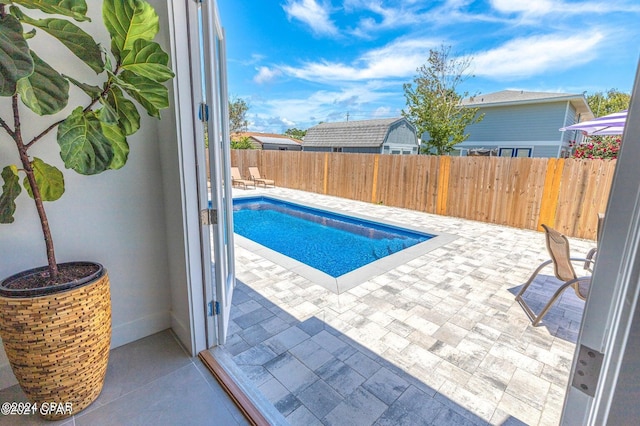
(434, 106)
(608, 103)
(238, 109)
(242, 143)
(296, 133)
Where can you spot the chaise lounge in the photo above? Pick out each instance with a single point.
(236, 179)
(259, 180)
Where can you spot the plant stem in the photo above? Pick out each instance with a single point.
(35, 190)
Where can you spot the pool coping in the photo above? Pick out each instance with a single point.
(358, 276)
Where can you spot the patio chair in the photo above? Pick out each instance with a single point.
(558, 247)
(236, 179)
(592, 253)
(255, 175)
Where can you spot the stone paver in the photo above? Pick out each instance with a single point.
(437, 340)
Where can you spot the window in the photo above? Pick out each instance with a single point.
(337, 149)
(515, 152)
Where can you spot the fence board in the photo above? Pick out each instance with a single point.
(518, 192)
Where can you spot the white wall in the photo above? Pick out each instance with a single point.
(116, 218)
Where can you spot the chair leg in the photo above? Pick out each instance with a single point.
(535, 319)
(520, 300)
(532, 277)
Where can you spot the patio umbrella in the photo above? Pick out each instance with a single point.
(612, 124)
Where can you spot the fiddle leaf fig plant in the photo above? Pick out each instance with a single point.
(92, 137)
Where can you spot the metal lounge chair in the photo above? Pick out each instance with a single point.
(236, 179)
(558, 247)
(259, 180)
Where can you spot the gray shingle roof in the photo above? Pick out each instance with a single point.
(514, 97)
(362, 133)
(276, 140)
(508, 96)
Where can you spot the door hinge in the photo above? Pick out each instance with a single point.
(587, 372)
(214, 308)
(203, 112)
(208, 217)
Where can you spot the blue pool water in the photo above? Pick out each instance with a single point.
(333, 243)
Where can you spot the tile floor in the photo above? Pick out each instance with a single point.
(438, 340)
(149, 382)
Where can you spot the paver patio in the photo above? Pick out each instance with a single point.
(438, 340)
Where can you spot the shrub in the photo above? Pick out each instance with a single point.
(598, 147)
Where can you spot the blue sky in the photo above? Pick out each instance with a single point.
(300, 62)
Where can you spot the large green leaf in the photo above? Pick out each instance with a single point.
(152, 95)
(10, 191)
(45, 91)
(147, 59)
(83, 146)
(15, 59)
(76, 9)
(118, 143)
(49, 179)
(128, 21)
(92, 91)
(125, 111)
(77, 41)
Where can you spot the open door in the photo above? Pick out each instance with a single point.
(603, 387)
(217, 217)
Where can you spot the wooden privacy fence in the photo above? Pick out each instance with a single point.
(566, 194)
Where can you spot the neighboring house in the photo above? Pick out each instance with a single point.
(382, 136)
(270, 141)
(525, 124)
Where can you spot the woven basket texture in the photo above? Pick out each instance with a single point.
(58, 345)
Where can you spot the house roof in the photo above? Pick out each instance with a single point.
(269, 138)
(276, 140)
(519, 97)
(361, 133)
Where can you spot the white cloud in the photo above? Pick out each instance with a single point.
(397, 60)
(524, 57)
(309, 12)
(545, 7)
(360, 100)
(382, 112)
(266, 74)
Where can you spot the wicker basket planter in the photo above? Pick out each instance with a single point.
(58, 343)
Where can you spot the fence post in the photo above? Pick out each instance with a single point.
(443, 184)
(376, 161)
(326, 172)
(549, 202)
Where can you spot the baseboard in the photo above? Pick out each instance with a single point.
(141, 327)
(183, 333)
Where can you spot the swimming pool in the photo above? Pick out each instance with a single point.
(335, 244)
(335, 250)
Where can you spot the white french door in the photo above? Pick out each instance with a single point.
(603, 388)
(217, 215)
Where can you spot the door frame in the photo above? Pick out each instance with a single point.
(615, 285)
